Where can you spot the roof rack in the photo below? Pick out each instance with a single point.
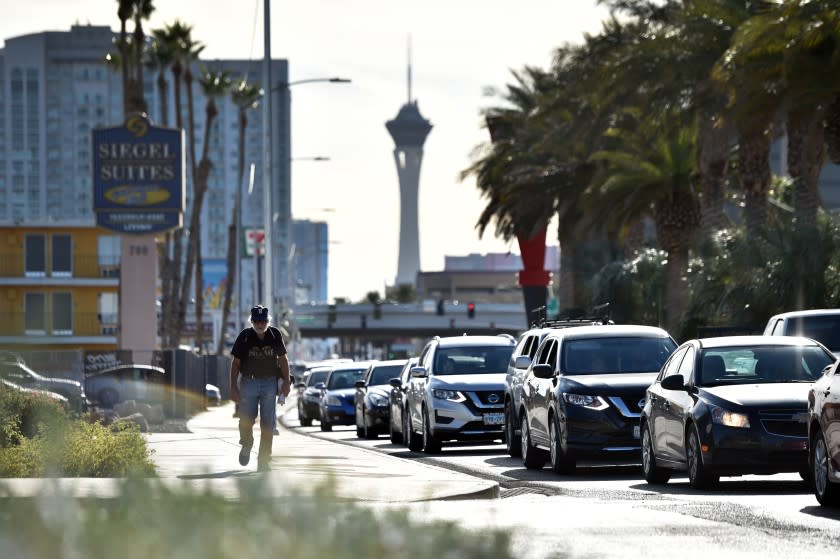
(600, 315)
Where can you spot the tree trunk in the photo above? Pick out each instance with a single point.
(805, 156)
(232, 264)
(712, 155)
(831, 130)
(754, 173)
(175, 320)
(566, 283)
(676, 290)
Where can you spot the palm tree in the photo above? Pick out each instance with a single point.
(653, 171)
(214, 84)
(132, 73)
(245, 97)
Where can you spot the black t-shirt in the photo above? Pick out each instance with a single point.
(259, 357)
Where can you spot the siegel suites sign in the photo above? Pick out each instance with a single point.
(138, 177)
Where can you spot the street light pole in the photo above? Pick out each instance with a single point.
(268, 266)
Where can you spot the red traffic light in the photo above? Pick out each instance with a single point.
(471, 310)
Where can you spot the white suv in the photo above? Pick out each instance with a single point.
(456, 391)
(822, 325)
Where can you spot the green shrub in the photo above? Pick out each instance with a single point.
(37, 439)
(152, 520)
(25, 415)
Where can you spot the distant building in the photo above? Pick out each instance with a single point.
(310, 260)
(409, 130)
(54, 89)
(480, 278)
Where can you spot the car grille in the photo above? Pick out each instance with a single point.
(478, 401)
(628, 406)
(490, 397)
(787, 423)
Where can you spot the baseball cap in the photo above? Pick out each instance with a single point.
(259, 314)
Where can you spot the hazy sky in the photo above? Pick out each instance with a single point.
(460, 47)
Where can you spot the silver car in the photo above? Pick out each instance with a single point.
(456, 391)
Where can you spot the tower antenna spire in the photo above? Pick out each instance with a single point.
(409, 68)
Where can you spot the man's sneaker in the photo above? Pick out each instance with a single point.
(245, 455)
(276, 432)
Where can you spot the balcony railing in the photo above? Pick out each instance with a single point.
(81, 324)
(86, 266)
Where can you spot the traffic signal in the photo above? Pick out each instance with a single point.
(331, 315)
(377, 310)
(440, 307)
(470, 310)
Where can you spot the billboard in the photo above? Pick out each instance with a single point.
(138, 177)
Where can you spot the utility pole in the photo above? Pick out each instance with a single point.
(268, 213)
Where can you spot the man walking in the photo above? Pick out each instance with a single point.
(259, 359)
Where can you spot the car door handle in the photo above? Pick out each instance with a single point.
(826, 392)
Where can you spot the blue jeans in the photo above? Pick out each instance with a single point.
(257, 393)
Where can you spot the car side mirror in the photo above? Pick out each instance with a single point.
(673, 382)
(395, 382)
(827, 369)
(543, 371)
(360, 384)
(419, 372)
(522, 362)
(320, 386)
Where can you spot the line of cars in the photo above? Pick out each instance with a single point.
(573, 390)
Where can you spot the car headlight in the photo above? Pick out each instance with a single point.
(586, 401)
(333, 401)
(729, 418)
(378, 400)
(451, 395)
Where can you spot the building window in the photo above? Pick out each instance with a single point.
(108, 255)
(35, 258)
(34, 313)
(62, 314)
(108, 312)
(62, 256)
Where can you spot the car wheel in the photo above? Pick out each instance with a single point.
(395, 436)
(561, 462)
(369, 433)
(325, 425)
(108, 397)
(513, 442)
(826, 492)
(412, 440)
(431, 444)
(699, 476)
(532, 457)
(652, 472)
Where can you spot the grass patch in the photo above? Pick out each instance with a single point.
(38, 439)
(152, 520)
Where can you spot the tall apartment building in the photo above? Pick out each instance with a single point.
(54, 89)
(310, 262)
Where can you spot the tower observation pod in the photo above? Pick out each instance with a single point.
(409, 130)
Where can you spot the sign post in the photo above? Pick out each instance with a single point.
(138, 191)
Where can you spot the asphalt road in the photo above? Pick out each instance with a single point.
(608, 510)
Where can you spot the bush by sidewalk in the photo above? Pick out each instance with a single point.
(152, 520)
(38, 439)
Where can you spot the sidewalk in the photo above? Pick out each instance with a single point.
(207, 457)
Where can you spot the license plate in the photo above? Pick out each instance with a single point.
(636, 431)
(494, 418)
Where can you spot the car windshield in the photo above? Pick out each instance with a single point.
(317, 376)
(471, 360)
(626, 354)
(825, 329)
(761, 365)
(381, 375)
(345, 378)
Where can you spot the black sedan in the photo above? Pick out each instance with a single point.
(731, 406)
(824, 436)
(373, 412)
(309, 401)
(397, 401)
